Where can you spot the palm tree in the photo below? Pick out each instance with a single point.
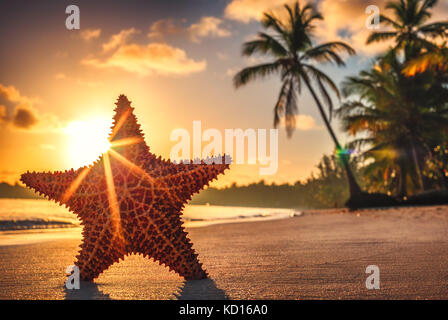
(291, 45)
(408, 28)
(399, 122)
(435, 63)
(379, 117)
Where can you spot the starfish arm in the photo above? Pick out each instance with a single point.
(127, 138)
(191, 178)
(102, 246)
(166, 242)
(58, 186)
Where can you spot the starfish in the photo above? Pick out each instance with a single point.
(129, 201)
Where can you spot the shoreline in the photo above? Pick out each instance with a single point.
(36, 234)
(321, 255)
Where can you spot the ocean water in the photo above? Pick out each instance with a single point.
(33, 214)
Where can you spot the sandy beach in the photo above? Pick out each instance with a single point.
(319, 255)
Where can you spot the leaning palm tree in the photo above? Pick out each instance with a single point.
(408, 29)
(295, 56)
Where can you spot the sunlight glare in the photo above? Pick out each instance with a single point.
(87, 140)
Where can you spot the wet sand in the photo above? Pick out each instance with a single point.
(319, 255)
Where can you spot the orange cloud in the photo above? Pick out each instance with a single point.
(18, 111)
(247, 10)
(119, 39)
(10, 93)
(163, 27)
(3, 116)
(24, 117)
(206, 27)
(304, 122)
(159, 58)
(90, 34)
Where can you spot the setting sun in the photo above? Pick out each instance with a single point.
(87, 140)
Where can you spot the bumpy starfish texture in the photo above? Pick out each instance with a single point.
(129, 201)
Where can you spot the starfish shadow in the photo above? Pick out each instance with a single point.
(204, 289)
(87, 291)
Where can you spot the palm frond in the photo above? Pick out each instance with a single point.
(269, 21)
(388, 21)
(436, 29)
(251, 73)
(380, 36)
(324, 78)
(265, 44)
(328, 52)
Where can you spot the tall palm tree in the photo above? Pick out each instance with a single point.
(292, 47)
(408, 28)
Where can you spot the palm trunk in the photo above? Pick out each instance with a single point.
(352, 184)
(417, 167)
(402, 189)
(444, 179)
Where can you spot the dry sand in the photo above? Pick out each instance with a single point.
(320, 255)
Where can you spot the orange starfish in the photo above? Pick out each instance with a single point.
(129, 201)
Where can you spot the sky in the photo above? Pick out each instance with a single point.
(173, 59)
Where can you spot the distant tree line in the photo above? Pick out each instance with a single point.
(16, 191)
(325, 188)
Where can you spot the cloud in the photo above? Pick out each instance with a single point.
(3, 116)
(90, 34)
(158, 58)
(247, 10)
(18, 112)
(10, 93)
(303, 122)
(141, 59)
(206, 27)
(24, 117)
(119, 39)
(164, 27)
